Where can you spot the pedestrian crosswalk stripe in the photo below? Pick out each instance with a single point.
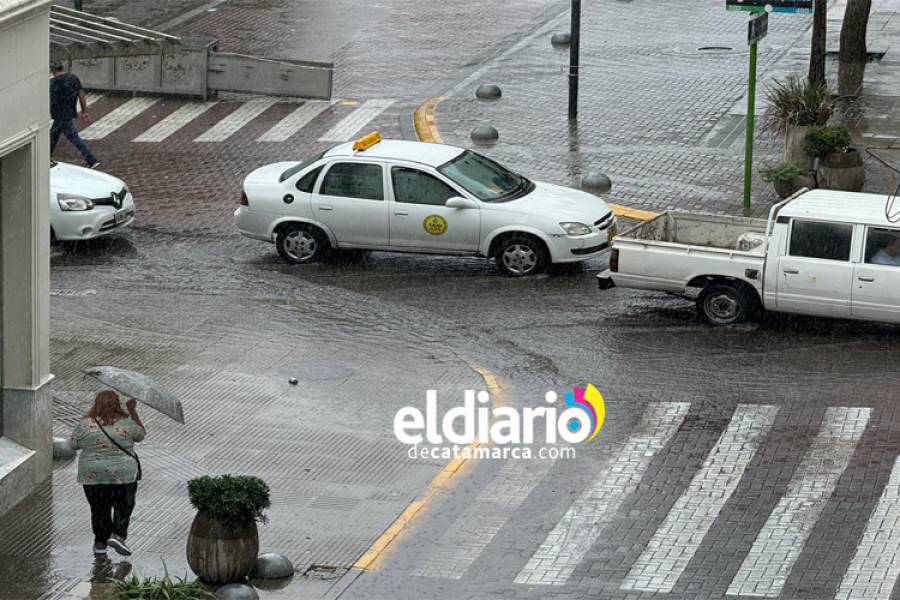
(228, 126)
(676, 541)
(350, 125)
(555, 561)
(778, 545)
(92, 98)
(464, 542)
(178, 119)
(118, 117)
(294, 122)
(875, 566)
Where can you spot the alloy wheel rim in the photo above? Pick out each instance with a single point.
(300, 245)
(519, 259)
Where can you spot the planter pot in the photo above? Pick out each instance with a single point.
(842, 171)
(219, 554)
(786, 188)
(794, 139)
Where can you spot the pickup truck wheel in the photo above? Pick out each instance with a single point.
(519, 256)
(300, 244)
(723, 304)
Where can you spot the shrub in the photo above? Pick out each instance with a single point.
(784, 172)
(822, 141)
(796, 102)
(234, 500)
(160, 589)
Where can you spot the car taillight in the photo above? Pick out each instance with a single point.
(244, 201)
(614, 260)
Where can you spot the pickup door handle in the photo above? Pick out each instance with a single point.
(401, 213)
(325, 207)
(791, 271)
(867, 279)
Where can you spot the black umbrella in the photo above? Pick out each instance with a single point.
(140, 387)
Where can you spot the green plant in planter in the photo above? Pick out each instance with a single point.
(797, 103)
(166, 588)
(785, 172)
(233, 500)
(824, 140)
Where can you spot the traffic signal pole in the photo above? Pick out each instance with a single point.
(574, 59)
(751, 118)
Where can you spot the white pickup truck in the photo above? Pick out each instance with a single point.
(821, 252)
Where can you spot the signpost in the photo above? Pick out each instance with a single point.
(757, 29)
(779, 6)
(574, 59)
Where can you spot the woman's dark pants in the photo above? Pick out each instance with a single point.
(111, 507)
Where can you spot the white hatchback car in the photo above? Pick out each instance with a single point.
(403, 196)
(85, 204)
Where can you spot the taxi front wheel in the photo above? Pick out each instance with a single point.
(519, 256)
(299, 244)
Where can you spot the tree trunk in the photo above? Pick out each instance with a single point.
(853, 54)
(817, 51)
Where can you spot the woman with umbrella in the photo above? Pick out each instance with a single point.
(108, 467)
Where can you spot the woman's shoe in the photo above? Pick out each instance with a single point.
(118, 544)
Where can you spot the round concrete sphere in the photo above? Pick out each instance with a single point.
(561, 39)
(596, 183)
(485, 134)
(272, 565)
(237, 591)
(488, 91)
(62, 449)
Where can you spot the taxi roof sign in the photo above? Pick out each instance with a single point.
(367, 141)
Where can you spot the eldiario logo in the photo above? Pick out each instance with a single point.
(476, 422)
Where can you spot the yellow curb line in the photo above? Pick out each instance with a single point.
(373, 556)
(426, 129)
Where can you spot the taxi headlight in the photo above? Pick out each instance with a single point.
(74, 202)
(575, 228)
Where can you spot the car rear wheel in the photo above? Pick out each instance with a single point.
(299, 244)
(725, 304)
(520, 256)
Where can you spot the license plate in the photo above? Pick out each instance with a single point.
(122, 215)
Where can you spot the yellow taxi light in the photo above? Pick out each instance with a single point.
(367, 141)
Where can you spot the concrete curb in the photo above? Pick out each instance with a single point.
(427, 131)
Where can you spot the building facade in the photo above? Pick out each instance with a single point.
(25, 407)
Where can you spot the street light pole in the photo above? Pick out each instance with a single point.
(574, 59)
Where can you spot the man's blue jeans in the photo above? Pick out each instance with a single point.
(67, 129)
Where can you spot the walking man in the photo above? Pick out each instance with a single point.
(65, 93)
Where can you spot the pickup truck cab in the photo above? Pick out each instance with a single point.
(821, 252)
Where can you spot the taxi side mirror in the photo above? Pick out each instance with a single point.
(460, 202)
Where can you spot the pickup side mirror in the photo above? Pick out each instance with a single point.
(460, 202)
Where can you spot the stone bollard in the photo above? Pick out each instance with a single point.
(272, 565)
(488, 91)
(485, 134)
(237, 591)
(62, 449)
(596, 183)
(561, 39)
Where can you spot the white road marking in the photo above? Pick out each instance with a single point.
(555, 561)
(875, 567)
(676, 541)
(228, 126)
(359, 118)
(778, 545)
(294, 122)
(178, 119)
(118, 117)
(92, 98)
(463, 543)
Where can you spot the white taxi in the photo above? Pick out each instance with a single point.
(85, 203)
(403, 196)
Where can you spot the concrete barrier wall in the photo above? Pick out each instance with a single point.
(250, 74)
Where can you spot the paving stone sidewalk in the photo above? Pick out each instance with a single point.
(660, 103)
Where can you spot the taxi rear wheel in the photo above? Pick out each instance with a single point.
(521, 255)
(299, 244)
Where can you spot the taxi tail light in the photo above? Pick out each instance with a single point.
(614, 260)
(244, 201)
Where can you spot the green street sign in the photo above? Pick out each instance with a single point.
(778, 6)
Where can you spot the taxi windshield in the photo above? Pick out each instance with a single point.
(485, 179)
(300, 166)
